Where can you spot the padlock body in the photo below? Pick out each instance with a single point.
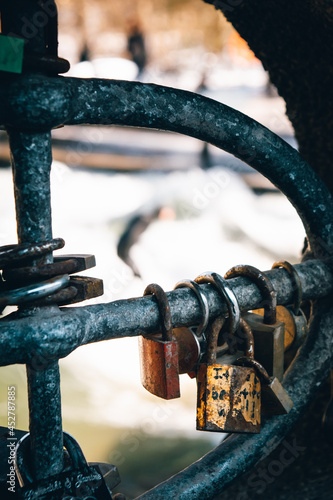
(275, 400)
(295, 326)
(159, 366)
(188, 348)
(228, 399)
(76, 484)
(269, 344)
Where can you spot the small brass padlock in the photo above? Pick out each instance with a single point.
(293, 317)
(192, 340)
(159, 353)
(268, 333)
(228, 395)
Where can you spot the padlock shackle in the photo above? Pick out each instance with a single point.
(202, 301)
(228, 295)
(252, 363)
(213, 336)
(265, 286)
(163, 307)
(296, 283)
(23, 468)
(249, 351)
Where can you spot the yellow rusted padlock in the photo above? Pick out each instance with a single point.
(228, 395)
(159, 353)
(268, 332)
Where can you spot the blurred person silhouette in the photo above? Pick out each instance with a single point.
(136, 46)
(205, 157)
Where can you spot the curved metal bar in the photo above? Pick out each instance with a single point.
(32, 103)
(39, 103)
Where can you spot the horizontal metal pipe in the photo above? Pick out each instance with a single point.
(49, 336)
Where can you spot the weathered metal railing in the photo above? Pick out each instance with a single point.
(30, 106)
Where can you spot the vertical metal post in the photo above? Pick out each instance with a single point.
(31, 163)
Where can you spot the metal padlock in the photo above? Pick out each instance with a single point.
(292, 316)
(191, 340)
(159, 353)
(274, 398)
(228, 395)
(229, 298)
(78, 479)
(268, 333)
(295, 326)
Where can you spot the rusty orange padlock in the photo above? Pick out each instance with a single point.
(159, 353)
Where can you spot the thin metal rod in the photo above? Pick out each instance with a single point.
(45, 418)
(60, 334)
(31, 163)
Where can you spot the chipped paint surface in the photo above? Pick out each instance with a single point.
(228, 399)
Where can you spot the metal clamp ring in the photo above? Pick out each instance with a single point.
(263, 283)
(296, 281)
(33, 292)
(164, 308)
(228, 295)
(202, 301)
(10, 254)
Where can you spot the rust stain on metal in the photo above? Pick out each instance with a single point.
(228, 399)
(188, 349)
(159, 366)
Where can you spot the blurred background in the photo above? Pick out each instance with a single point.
(153, 207)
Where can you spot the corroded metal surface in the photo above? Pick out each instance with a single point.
(35, 103)
(188, 348)
(19, 337)
(67, 264)
(11, 255)
(159, 353)
(228, 397)
(159, 366)
(269, 343)
(263, 283)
